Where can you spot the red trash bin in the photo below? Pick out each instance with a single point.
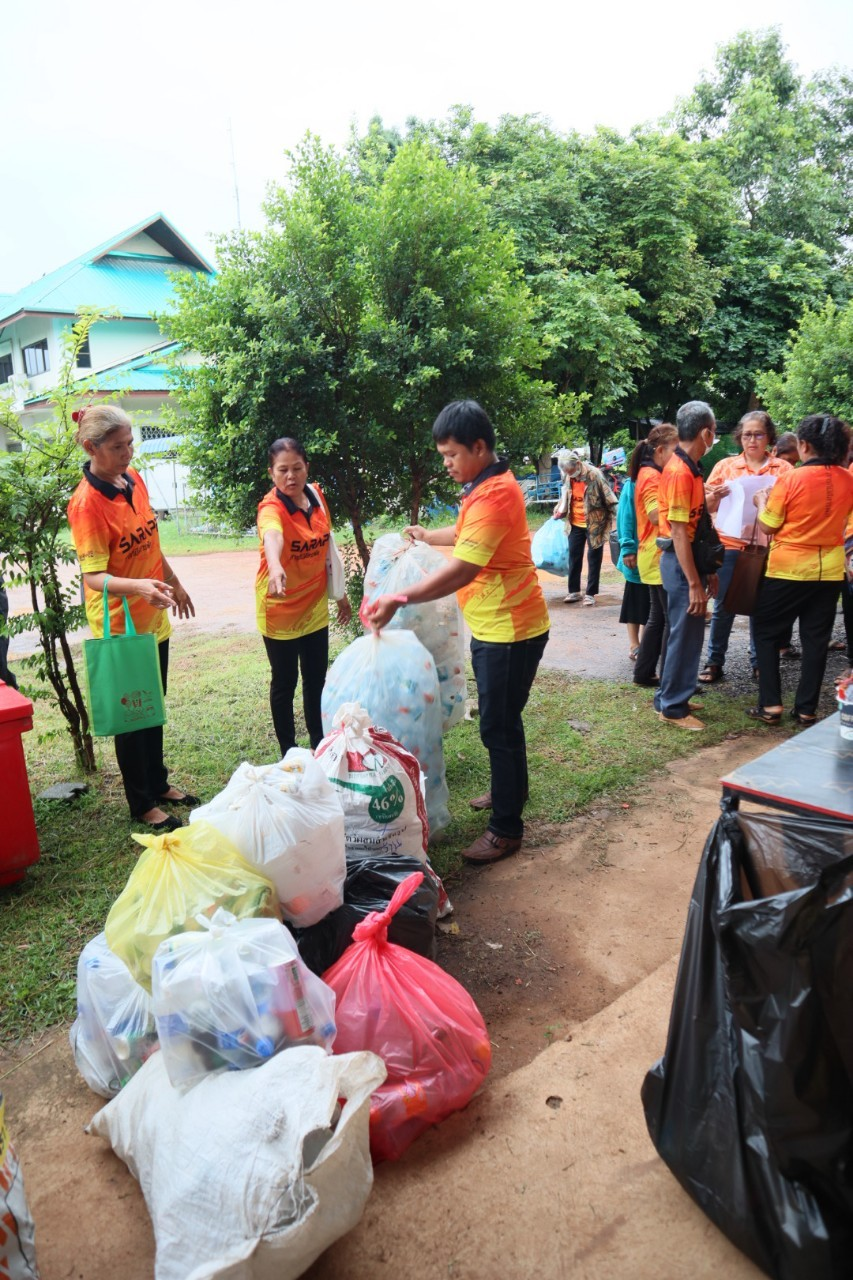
(19, 846)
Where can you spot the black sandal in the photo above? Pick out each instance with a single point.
(804, 720)
(765, 717)
(711, 674)
(185, 799)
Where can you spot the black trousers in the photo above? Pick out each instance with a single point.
(780, 604)
(5, 674)
(654, 638)
(140, 757)
(310, 654)
(577, 542)
(504, 675)
(847, 609)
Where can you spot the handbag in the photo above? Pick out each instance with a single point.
(708, 551)
(742, 594)
(336, 574)
(125, 691)
(615, 546)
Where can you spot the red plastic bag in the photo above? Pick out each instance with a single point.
(421, 1022)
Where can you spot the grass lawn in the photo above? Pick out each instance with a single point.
(219, 716)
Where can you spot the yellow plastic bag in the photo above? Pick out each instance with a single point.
(182, 874)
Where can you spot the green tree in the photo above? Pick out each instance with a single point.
(817, 370)
(35, 486)
(781, 141)
(377, 292)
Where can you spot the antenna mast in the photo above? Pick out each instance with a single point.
(234, 170)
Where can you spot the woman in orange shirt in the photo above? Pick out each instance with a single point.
(647, 462)
(291, 597)
(806, 512)
(116, 539)
(756, 434)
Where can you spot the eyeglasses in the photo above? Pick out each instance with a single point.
(754, 435)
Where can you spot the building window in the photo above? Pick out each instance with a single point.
(6, 369)
(150, 432)
(36, 359)
(84, 355)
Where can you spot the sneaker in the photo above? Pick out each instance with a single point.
(572, 597)
(588, 600)
(685, 722)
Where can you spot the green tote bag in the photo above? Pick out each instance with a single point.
(123, 678)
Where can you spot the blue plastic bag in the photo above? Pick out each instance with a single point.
(394, 678)
(550, 548)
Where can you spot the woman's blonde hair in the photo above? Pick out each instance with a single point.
(97, 421)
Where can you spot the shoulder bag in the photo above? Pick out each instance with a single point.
(750, 565)
(123, 679)
(336, 574)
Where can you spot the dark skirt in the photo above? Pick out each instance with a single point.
(635, 603)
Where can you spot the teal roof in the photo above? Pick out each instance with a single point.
(133, 284)
(148, 372)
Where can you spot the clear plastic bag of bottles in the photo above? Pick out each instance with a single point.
(397, 563)
(114, 1031)
(233, 995)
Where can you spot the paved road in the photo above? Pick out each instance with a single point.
(586, 642)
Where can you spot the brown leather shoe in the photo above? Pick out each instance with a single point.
(482, 802)
(490, 847)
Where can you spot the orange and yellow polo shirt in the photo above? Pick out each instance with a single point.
(735, 468)
(304, 607)
(681, 495)
(807, 511)
(646, 500)
(505, 601)
(114, 531)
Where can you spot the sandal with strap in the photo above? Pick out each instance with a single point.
(765, 717)
(711, 674)
(805, 720)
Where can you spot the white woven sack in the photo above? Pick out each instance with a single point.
(286, 821)
(379, 785)
(251, 1174)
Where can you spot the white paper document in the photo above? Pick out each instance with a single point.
(736, 514)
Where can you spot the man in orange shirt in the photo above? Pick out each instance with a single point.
(681, 502)
(492, 573)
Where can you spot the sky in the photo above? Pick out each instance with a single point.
(115, 111)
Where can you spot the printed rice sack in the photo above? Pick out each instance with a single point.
(393, 677)
(379, 785)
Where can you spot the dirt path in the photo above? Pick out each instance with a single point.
(544, 942)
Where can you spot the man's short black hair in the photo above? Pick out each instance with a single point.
(466, 422)
(693, 417)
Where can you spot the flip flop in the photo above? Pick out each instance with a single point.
(711, 674)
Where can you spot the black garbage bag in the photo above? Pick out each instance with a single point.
(370, 886)
(751, 1105)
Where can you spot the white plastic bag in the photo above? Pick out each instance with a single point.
(393, 677)
(379, 785)
(252, 1174)
(17, 1232)
(114, 1031)
(286, 821)
(233, 995)
(397, 563)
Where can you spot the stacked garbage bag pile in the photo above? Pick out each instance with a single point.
(263, 1012)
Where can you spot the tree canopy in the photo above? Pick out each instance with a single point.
(817, 370)
(369, 301)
